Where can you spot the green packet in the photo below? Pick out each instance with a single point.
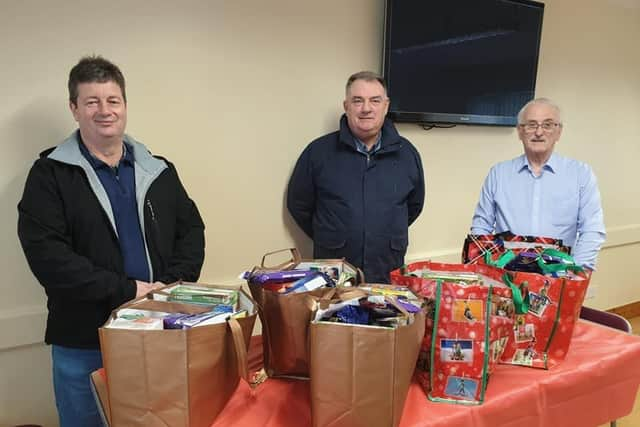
(203, 295)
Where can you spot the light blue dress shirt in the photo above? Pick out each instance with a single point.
(563, 203)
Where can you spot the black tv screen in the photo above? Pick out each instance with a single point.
(461, 61)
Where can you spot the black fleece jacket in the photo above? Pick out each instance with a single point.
(72, 248)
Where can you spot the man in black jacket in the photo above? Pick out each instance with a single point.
(356, 191)
(101, 221)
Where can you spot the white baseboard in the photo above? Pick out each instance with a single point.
(22, 326)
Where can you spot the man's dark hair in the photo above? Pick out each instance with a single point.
(367, 76)
(94, 69)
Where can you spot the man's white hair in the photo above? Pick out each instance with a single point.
(545, 101)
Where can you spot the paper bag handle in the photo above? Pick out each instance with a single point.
(241, 349)
(295, 259)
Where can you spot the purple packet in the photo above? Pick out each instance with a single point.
(529, 254)
(171, 321)
(408, 306)
(279, 276)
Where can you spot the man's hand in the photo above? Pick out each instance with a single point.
(143, 288)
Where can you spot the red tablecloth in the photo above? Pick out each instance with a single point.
(596, 383)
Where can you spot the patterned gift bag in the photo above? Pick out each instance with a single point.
(477, 246)
(411, 276)
(466, 330)
(547, 309)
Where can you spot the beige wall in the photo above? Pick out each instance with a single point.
(231, 91)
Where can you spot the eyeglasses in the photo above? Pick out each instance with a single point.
(531, 127)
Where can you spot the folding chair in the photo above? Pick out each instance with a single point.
(606, 318)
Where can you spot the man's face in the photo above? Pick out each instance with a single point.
(538, 141)
(366, 106)
(100, 111)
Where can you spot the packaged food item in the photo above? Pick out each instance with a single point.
(309, 283)
(135, 323)
(217, 315)
(203, 295)
(132, 314)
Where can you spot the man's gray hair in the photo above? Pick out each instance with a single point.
(367, 76)
(545, 101)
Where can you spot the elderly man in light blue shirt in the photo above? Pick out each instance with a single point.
(541, 193)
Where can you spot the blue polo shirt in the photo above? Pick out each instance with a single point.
(120, 184)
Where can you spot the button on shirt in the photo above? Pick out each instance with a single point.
(563, 203)
(120, 184)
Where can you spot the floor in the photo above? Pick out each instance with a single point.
(633, 419)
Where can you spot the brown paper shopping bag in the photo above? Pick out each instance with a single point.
(360, 375)
(285, 318)
(177, 378)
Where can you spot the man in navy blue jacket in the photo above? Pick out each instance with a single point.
(355, 191)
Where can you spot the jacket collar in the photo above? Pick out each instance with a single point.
(391, 139)
(69, 152)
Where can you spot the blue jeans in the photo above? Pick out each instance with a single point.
(72, 368)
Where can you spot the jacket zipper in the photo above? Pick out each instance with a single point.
(153, 215)
(153, 231)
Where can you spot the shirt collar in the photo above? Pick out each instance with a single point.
(96, 163)
(362, 148)
(523, 163)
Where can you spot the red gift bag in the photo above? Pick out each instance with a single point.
(467, 330)
(410, 276)
(547, 305)
(476, 246)
(547, 309)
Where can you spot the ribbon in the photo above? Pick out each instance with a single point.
(521, 303)
(502, 260)
(567, 262)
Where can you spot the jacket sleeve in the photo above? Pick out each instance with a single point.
(301, 193)
(416, 197)
(187, 256)
(46, 240)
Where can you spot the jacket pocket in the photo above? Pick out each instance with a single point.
(328, 245)
(330, 240)
(399, 243)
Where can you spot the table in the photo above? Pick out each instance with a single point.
(596, 383)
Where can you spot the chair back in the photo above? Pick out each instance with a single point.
(605, 318)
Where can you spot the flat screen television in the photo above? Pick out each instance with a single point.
(461, 61)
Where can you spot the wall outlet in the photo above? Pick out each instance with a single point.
(591, 291)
